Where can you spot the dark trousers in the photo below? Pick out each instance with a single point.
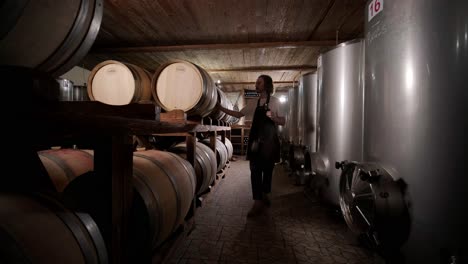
(260, 177)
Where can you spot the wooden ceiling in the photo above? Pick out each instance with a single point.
(233, 40)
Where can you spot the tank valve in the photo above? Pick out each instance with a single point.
(371, 201)
(369, 176)
(341, 165)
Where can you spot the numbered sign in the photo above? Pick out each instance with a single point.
(375, 7)
(250, 93)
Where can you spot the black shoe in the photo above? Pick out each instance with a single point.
(256, 209)
(266, 199)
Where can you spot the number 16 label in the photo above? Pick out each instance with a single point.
(375, 7)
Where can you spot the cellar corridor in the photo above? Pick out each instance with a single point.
(295, 229)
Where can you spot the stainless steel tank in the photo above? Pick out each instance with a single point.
(283, 111)
(70, 92)
(292, 116)
(66, 89)
(299, 93)
(80, 93)
(340, 114)
(309, 110)
(416, 117)
(287, 117)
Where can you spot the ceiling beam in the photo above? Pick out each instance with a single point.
(231, 89)
(280, 45)
(248, 83)
(266, 68)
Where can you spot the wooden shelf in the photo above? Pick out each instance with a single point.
(135, 119)
(242, 132)
(109, 131)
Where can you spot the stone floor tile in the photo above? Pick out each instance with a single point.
(206, 232)
(270, 238)
(232, 233)
(203, 249)
(197, 261)
(295, 229)
(180, 251)
(276, 255)
(240, 252)
(229, 220)
(233, 211)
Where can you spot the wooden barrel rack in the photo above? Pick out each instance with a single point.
(108, 131)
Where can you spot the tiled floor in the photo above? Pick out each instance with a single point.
(294, 230)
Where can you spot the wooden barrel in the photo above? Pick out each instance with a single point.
(40, 230)
(221, 153)
(183, 85)
(222, 100)
(117, 83)
(169, 182)
(233, 119)
(226, 103)
(164, 188)
(229, 148)
(48, 37)
(205, 164)
(64, 165)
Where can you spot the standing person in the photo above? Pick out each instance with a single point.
(263, 147)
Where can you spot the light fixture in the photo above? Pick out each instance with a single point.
(282, 99)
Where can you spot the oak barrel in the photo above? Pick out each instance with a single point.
(167, 184)
(221, 153)
(64, 165)
(223, 101)
(36, 229)
(117, 83)
(186, 86)
(48, 37)
(164, 188)
(229, 147)
(205, 164)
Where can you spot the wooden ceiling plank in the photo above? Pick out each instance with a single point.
(259, 45)
(337, 16)
(323, 15)
(265, 68)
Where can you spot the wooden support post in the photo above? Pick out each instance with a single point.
(228, 133)
(213, 136)
(191, 143)
(114, 164)
(223, 136)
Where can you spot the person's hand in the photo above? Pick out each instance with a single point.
(268, 113)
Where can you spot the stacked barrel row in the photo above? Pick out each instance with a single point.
(164, 187)
(176, 85)
(38, 228)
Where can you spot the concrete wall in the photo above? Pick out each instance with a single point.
(78, 75)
